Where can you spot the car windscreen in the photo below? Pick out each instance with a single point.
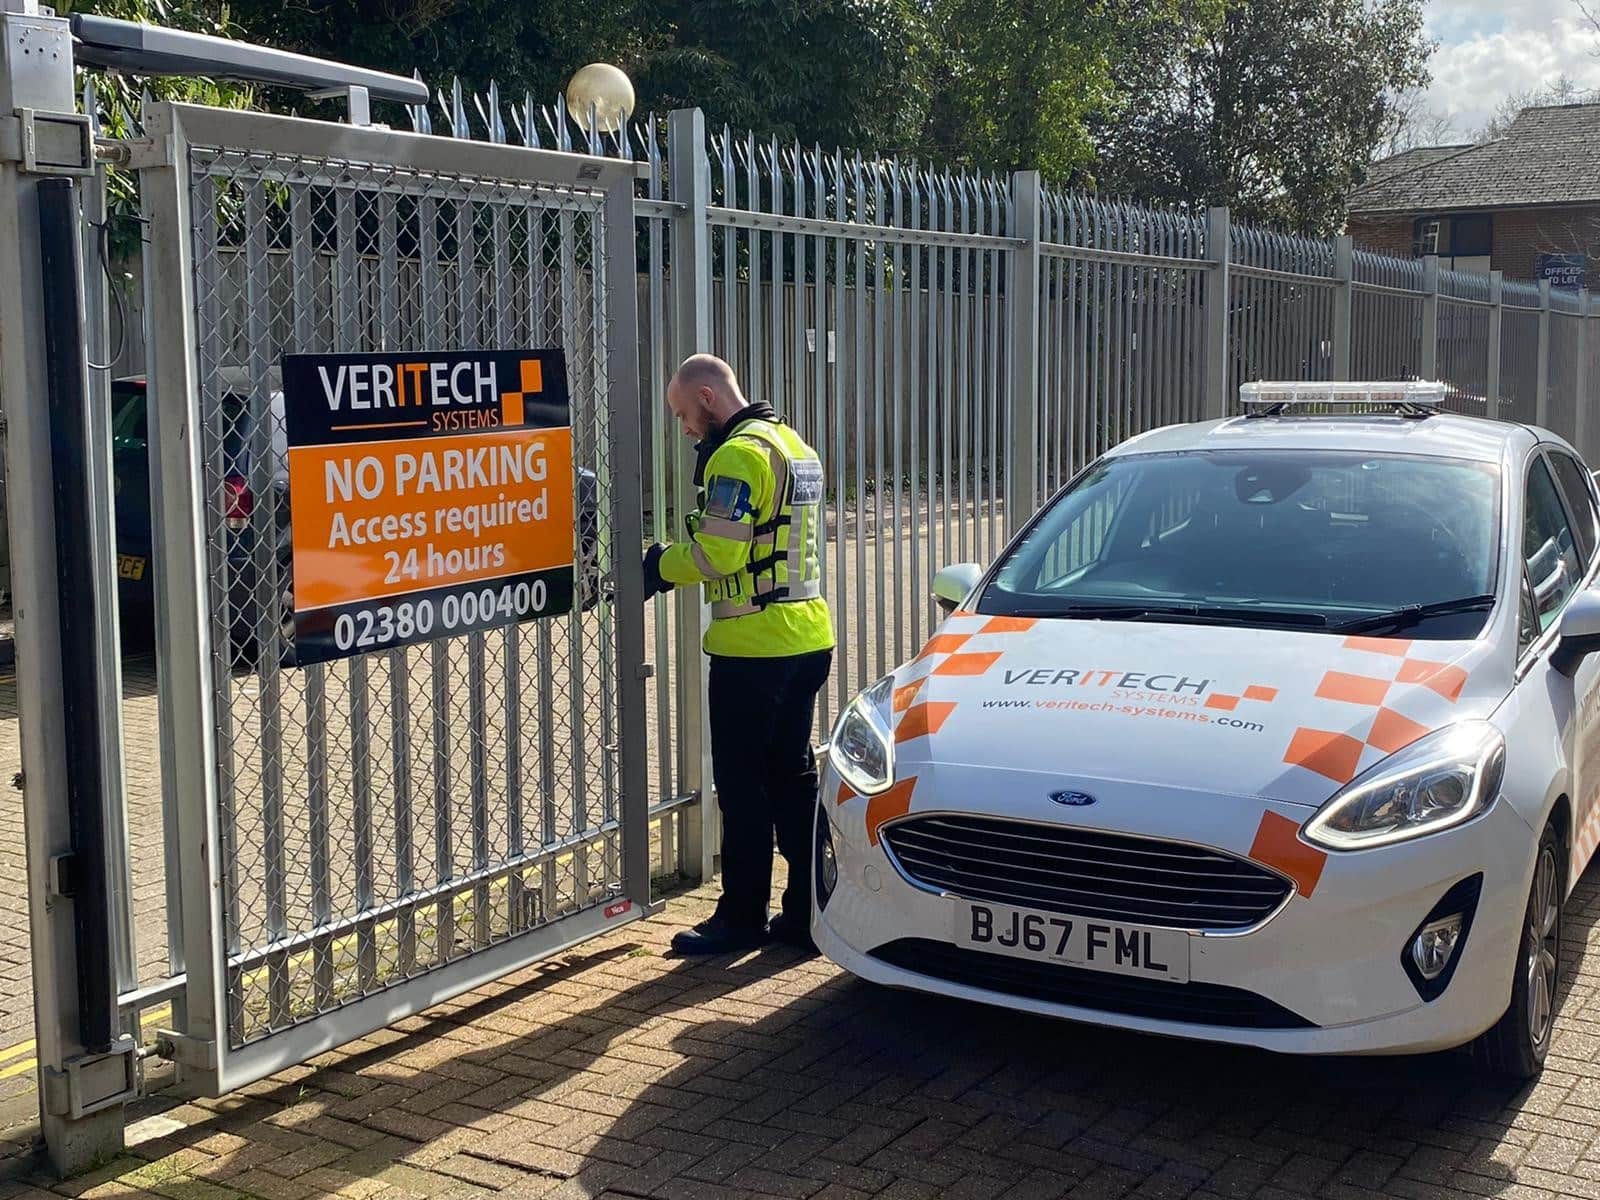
(1312, 539)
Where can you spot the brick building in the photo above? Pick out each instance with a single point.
(1527, 204)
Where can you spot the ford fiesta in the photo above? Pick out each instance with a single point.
(1279, 730)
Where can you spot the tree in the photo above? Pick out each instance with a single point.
(1275, 109)
(1414, 124)
(1564, 90)
(840, 71)
(1015, 82)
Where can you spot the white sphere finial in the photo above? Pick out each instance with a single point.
(604, 88)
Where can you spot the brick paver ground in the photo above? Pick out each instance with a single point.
(618, 1071)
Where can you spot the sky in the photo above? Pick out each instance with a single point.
(1489, 49)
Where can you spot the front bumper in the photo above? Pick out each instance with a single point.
(1330, 964)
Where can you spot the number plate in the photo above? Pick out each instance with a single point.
(1073, 941)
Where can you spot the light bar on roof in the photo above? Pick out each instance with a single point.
(1416, 393)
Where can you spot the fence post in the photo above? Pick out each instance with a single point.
(1491, 386)
(1580, 420)
(1343, 303)
(689, 184)
(1541, 394)
(1022, 446)
(1428, 368)
(1218, 286)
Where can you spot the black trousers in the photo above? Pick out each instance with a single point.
(766, 777)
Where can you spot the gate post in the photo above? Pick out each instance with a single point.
(689, 184)
(1491, 387)
(1218, 286)
(1022, 450)
(1428, 367)
(87, 1070)
(1344, 257)
(1541, 394)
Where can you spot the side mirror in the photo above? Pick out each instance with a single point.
(954, 584)
(1580, 632)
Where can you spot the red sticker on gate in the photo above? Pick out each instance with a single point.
(617, 909)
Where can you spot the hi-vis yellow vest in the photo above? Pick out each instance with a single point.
(757, 545)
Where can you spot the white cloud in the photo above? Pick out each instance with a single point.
(1490, 49)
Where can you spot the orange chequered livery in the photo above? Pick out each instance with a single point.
(947, 654)
(1337, 756)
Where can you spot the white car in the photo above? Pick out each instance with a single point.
(1278, 730)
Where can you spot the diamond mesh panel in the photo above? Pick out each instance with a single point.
(384, 815)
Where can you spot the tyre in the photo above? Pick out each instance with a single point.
(1518, 1044)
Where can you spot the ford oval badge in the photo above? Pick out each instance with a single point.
(1072, 799)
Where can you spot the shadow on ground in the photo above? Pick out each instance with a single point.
(621, 1072)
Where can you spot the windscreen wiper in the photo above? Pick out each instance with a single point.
(1205, 614)
(1413, 614)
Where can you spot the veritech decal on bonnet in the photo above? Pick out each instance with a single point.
(1279, 714)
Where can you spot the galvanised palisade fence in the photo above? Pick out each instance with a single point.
(957, 346)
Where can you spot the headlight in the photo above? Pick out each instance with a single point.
(862, 748)
(1439, 781)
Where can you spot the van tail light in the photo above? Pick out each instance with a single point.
(239, 502)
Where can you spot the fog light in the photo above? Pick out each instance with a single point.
(827, 863)
(1434, 949)
(1435, 946)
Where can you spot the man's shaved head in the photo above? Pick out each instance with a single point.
(703, 394)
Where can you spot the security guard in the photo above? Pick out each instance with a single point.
(754, 546)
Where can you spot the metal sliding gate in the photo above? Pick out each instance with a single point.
(358, 839)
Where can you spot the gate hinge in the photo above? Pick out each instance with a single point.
(647, 670)
(48, 143)
(200, 1054)
(89, 1083)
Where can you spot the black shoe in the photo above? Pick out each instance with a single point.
(716, 936)
(782, 928)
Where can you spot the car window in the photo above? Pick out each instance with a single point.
(1527, 622)
(1573, 480)
(1548, 546)
(129, 417)
(1329, 537)
(1082, 540)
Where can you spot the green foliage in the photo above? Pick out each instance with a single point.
(1014, 82)
(836, 71)
(121, 95)
(1274, 108)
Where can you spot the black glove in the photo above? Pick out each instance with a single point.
(654, 585)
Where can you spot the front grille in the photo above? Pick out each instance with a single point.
(1086, 873)
(1191, 1003)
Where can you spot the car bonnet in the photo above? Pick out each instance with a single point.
(1283, 715)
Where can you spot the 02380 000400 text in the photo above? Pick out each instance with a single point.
(381, 625)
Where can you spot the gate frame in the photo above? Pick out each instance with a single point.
(208, 1063)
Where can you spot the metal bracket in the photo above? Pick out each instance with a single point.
(357, 99)
(150, 152)
(63, 875)
(90, 1083)
(197, 1053)
(50, 143)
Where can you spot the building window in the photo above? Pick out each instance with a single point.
(1469, 235)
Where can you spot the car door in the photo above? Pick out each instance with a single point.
(1583, 509)
(1559, 539)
